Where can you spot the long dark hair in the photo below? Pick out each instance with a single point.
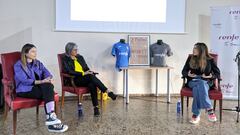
(200, 61)
(25, 50)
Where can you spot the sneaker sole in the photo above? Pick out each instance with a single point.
(194, 122)
(65, 128)
(53, 122)
(212, 120)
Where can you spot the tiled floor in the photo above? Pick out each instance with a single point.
(143, 116)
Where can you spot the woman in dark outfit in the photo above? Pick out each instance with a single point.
(200, 71)
(33, 80)
(74, 64)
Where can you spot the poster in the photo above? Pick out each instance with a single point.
(139, 45)
(225, 41)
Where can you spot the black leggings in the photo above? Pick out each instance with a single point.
(41, 91)
(92, 82)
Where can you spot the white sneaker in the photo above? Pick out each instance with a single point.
(52, 119)
(212, 117)
(195, 119)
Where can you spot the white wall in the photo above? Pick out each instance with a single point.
(23, 21)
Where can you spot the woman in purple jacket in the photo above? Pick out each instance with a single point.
(33, 80)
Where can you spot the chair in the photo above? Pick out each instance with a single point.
(72, 88)
(214, 93)
(11, 101)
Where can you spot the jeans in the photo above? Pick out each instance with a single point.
(201, 98)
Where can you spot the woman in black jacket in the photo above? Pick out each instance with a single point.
(200, 71)
(74, 64)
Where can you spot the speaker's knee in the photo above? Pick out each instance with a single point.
(91, 85)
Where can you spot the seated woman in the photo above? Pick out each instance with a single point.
(74, 64)
(200, 71)
(33, 80)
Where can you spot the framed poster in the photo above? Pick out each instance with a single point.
(139, 45)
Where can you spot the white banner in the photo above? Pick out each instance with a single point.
(225, 41)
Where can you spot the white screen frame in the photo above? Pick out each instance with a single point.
(175, 21)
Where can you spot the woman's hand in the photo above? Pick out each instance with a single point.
(36, 82)
(191, 75)
(48, 80)
(88, 72)
(207, 76)
(51, 81)
(91, 71)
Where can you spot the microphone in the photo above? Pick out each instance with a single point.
(237, 56)
(95, 73)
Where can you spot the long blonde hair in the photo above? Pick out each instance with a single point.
(200, 61)
(24, 51)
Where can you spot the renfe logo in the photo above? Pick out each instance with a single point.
(229, 37)
(235, 12)
(227, 88)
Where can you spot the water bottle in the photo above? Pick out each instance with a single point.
(178, 107)
(80, 109)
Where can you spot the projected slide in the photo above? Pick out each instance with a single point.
(119, 10)
(122, 16)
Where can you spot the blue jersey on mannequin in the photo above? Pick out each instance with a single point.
(122, 53)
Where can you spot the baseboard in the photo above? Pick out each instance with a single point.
(72, 98)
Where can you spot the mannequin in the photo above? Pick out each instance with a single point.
(122, 41)
(159, 42)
